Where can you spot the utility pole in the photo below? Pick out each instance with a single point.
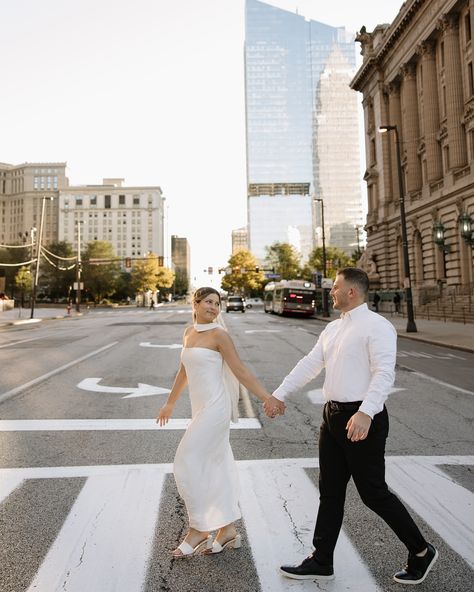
(78, 267)
(38, 255)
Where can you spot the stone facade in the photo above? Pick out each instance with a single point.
(417, 75)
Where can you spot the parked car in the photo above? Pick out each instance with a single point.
(251, 302)
(235, 303)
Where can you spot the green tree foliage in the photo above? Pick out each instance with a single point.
(181, 282)
(335, 259)
(13, 256)
(244, 279)
(100, 279)
(284, 258)
(23, 282)
(147, 275)
(57, 279)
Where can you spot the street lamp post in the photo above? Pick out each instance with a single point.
(411, 326)
(325, 294)
(78, 267)
(38, 255)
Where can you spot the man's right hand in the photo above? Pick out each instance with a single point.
(274, 407)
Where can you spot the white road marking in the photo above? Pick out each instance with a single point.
(9, 483)
(119, 508)
(68, 425)
(316, 395)
(280, 529)
(172, 346)
(415, 354)
(263, 331)
(446, 506)
(279, 505)
(143, 390)
(445, 384)
(35, 381)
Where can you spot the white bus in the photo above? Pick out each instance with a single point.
(290, 297)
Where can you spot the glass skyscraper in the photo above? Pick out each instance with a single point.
(302, 131)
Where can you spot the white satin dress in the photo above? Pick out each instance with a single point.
(204, 465)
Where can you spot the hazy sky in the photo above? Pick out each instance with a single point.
(148, 90)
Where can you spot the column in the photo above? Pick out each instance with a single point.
(395, 118)
(449, 24)
(431, 111)
(411, 126)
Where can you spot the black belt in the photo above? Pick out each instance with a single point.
(338, 406)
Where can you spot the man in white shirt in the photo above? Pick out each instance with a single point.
(358, 352)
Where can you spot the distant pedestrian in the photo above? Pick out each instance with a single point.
(396, 302)
(152, 304)
(376, 301)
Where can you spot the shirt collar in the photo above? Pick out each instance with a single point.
(356, 312)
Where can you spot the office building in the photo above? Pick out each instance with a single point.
(131, 219)
(302, 137)
(239, 240)
(181, 259)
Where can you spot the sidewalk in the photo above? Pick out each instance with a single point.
(448, 334)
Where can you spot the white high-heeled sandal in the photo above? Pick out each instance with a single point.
(234, 543)
(188, 551)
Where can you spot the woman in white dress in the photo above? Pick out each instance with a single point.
(204, 466)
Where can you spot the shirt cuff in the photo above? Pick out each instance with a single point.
(279, 394)
(368, 409)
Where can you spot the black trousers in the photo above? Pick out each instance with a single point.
(339, 459)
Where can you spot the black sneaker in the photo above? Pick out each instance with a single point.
(309, 569)
(417, 568)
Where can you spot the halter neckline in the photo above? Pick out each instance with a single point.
(200, 327)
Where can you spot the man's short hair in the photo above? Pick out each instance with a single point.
(357, 277)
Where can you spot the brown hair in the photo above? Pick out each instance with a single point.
(357, 277)
(201, 293)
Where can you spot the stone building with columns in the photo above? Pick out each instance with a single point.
(417, 74)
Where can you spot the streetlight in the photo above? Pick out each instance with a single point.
(411, 326)
(38, 254)
(325, 294)
(78, 267)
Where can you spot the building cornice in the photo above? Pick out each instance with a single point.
(391, 34)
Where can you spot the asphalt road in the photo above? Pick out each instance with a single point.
(87, 496)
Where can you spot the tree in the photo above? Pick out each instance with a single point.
(24, 282)
(335, 259)
(13, 256)
(181, 281)
(284, 258)
(244, 278)
(100, 278)
(147, 275)
(57, 275)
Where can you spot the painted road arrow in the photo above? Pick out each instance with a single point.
(172, 346)
(143, 390)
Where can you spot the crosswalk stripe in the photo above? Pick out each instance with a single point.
(446, 506)
(55, 425)
(85, 555)
(280, 528)
(279, 503)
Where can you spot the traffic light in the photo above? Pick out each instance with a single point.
(210, 271)
(318, 277)
(128, 262)
(257, 269)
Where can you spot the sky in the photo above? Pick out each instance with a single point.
(151, 91)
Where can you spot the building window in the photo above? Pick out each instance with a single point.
(93, 200)
(136, 200)
(107, 201)
(444, 100)
(446, 158)
(467, 26)
(471, 144)
(470, 79)
(441, 53)
(121, 200)
(373, 153)
(78, 201)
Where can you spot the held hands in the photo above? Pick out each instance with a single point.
(273, 407)
(165, 413)
(358, 427)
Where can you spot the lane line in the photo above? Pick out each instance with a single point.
(67, 425)
(443, 504)
(107, 538)
(440, 382)
(9, 483)
(35, 381)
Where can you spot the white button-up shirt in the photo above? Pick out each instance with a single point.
(358, 352)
